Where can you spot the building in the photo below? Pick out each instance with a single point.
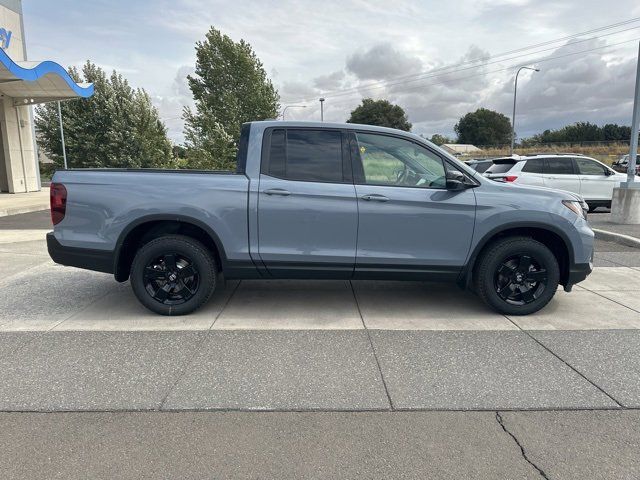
(460, 149)
(22, 85)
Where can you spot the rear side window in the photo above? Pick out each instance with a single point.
(535, 165)
(306, 155)
(558, 166)
(500, 167)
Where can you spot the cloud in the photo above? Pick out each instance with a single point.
(171, 104)
(331, 81)
(382, 61)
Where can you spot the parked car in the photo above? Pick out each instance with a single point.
(587, 177)
(320, 200)
(622, 164)
(480, 165)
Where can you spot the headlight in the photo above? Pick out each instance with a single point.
(576, 207)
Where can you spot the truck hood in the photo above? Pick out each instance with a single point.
(553, 193)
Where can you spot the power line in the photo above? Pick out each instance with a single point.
(510, 67)
(454, 68)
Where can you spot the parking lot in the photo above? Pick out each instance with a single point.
(77, 341)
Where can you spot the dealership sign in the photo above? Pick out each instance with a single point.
(5, 38)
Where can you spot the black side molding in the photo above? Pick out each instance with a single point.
(96, 260)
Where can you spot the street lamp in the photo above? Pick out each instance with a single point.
(321, 109)
(291, 106)
(513, 118)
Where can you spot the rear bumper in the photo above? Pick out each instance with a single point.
(97, 260)
(577, 273)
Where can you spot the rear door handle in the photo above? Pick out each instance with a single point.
(375, 197)
(277, 191)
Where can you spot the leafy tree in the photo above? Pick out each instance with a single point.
(440, 139)
(230, 87)
(117, 127)
(381, 113)
(582, 132)
(484, 127)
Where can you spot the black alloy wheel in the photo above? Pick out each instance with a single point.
(171, 279)
(520, 279)
(173, 275)
(516, 275)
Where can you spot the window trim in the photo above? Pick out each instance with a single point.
(358, 167)
(347, 176)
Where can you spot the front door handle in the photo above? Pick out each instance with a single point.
(375, 197)
(277, 191)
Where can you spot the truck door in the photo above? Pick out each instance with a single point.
(307, 207)
(410, 225)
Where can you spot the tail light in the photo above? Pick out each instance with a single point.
(510, 178)
(58, 197)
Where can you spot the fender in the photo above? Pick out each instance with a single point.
(168, 217)
(464, 280)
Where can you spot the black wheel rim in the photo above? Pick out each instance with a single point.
(171, 279)
(520, 279)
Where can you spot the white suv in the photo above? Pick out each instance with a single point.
(589, 178)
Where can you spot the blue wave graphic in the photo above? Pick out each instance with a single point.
(44, 68)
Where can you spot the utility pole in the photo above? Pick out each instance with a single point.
(322, 109)
(64, 150)
(633, 149)
(625, 202)
(513, 117)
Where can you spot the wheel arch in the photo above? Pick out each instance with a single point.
(555, 239)
(145, 229)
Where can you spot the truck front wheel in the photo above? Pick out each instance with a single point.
(173, 275)
(517, 275)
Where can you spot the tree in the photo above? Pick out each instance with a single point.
(381, 113)
(117, 127)
(484, 127)
(230, 87)
(440, 139)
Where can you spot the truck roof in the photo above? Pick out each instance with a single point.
(350, 126)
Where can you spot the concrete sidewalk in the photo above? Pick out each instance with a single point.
(17, 203)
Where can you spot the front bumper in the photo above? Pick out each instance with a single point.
(97, 260)
(577, 273)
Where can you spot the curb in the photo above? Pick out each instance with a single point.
(6, 212)
(627, 240)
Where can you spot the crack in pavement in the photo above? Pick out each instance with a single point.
(524, 454)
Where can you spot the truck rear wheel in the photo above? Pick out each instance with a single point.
(173, 275)
(517, 276)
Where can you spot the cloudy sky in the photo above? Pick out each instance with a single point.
(343, 50)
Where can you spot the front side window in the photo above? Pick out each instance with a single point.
(397, 162)
(589, 167)
(558, 166)
(306, 155)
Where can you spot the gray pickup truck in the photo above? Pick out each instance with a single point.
(321, 201)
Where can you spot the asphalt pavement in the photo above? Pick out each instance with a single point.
(313, 379)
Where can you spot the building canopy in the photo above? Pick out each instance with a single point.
(30, 83)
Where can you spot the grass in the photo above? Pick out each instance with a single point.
(605, 153)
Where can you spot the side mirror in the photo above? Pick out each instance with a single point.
(456, 181)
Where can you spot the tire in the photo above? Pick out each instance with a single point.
(512, 285)
(173, 275)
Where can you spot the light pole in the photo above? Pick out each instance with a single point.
(291, 106)
(64, 149)
(321, 109)
(513, 118)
